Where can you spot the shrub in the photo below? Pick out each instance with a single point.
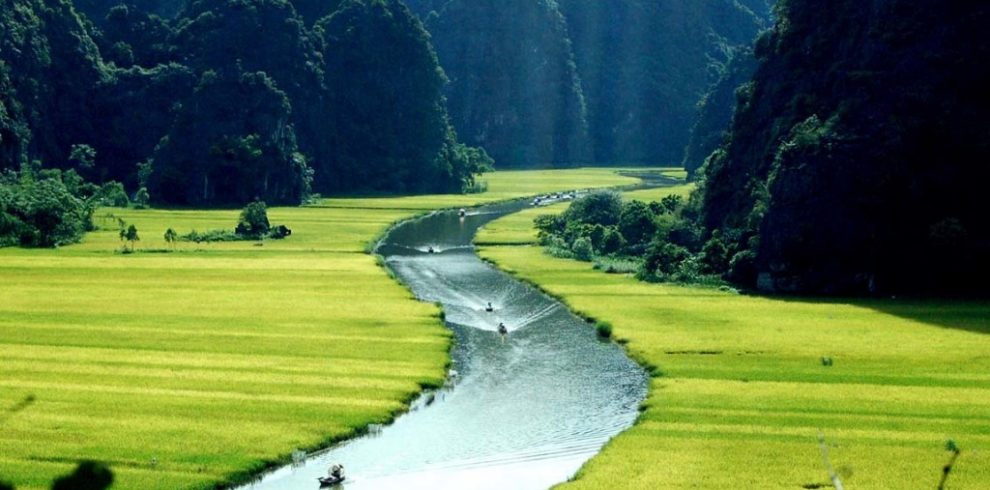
(715, 255)
(604, 329)
(112, 194)
(549, 224)
(142, 198)
(614, 242)
(253, 222)
(665, 258)
(41, 213)
(211, 236)
(279, 232)
(742, 267)
(89, 475)
(637, 222)
(602, 208)
(612, 265)
(582, 249)
(557, 247)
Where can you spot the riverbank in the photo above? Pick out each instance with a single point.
(741, 390)
(200, 366)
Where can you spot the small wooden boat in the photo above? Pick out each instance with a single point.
(329, 481)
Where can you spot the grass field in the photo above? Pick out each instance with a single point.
(741, 392)
(192, 368)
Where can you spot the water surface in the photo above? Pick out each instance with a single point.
(522, 412)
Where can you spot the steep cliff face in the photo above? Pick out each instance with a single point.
(542, 82)
(644, 67)
(857, 156)
(388, 112)
(514, 87)
(716, 109)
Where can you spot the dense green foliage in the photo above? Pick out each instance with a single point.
(49, 66)
(188, 99)
(651, 239)
(44, 210)
(856, 158)
(232, 144)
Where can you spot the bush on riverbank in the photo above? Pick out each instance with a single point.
(657, 241)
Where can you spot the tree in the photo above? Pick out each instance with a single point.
(715, 255)
(671, 203)
(582, 249)
(636, 222)
(82, 157)
(232, 142)
(253, 221)
(113, 194)
(130, 235)
(171, 237)
(39, 210)
(602, 208)
(142, 198)
(614, 242)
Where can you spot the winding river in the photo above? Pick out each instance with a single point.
(523, 411)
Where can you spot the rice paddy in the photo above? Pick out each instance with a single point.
(196, 366)
(743, 385)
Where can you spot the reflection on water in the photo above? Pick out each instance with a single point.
(523, 411)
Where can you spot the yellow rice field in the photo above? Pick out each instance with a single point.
(199, 366)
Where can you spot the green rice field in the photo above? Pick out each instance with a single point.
(194, 367)
(741, 392)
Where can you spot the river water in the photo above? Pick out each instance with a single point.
(523, 411)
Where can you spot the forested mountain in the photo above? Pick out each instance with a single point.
(857, 158)
(52, 67)
(514, 88)
(540, 82)
(386, 104)
(223, 101)
(96, 10)
(644, 67)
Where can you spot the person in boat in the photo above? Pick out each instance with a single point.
(462, 213)
(489, 308)
(502, 329)
(336, 472)
(430, 250)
